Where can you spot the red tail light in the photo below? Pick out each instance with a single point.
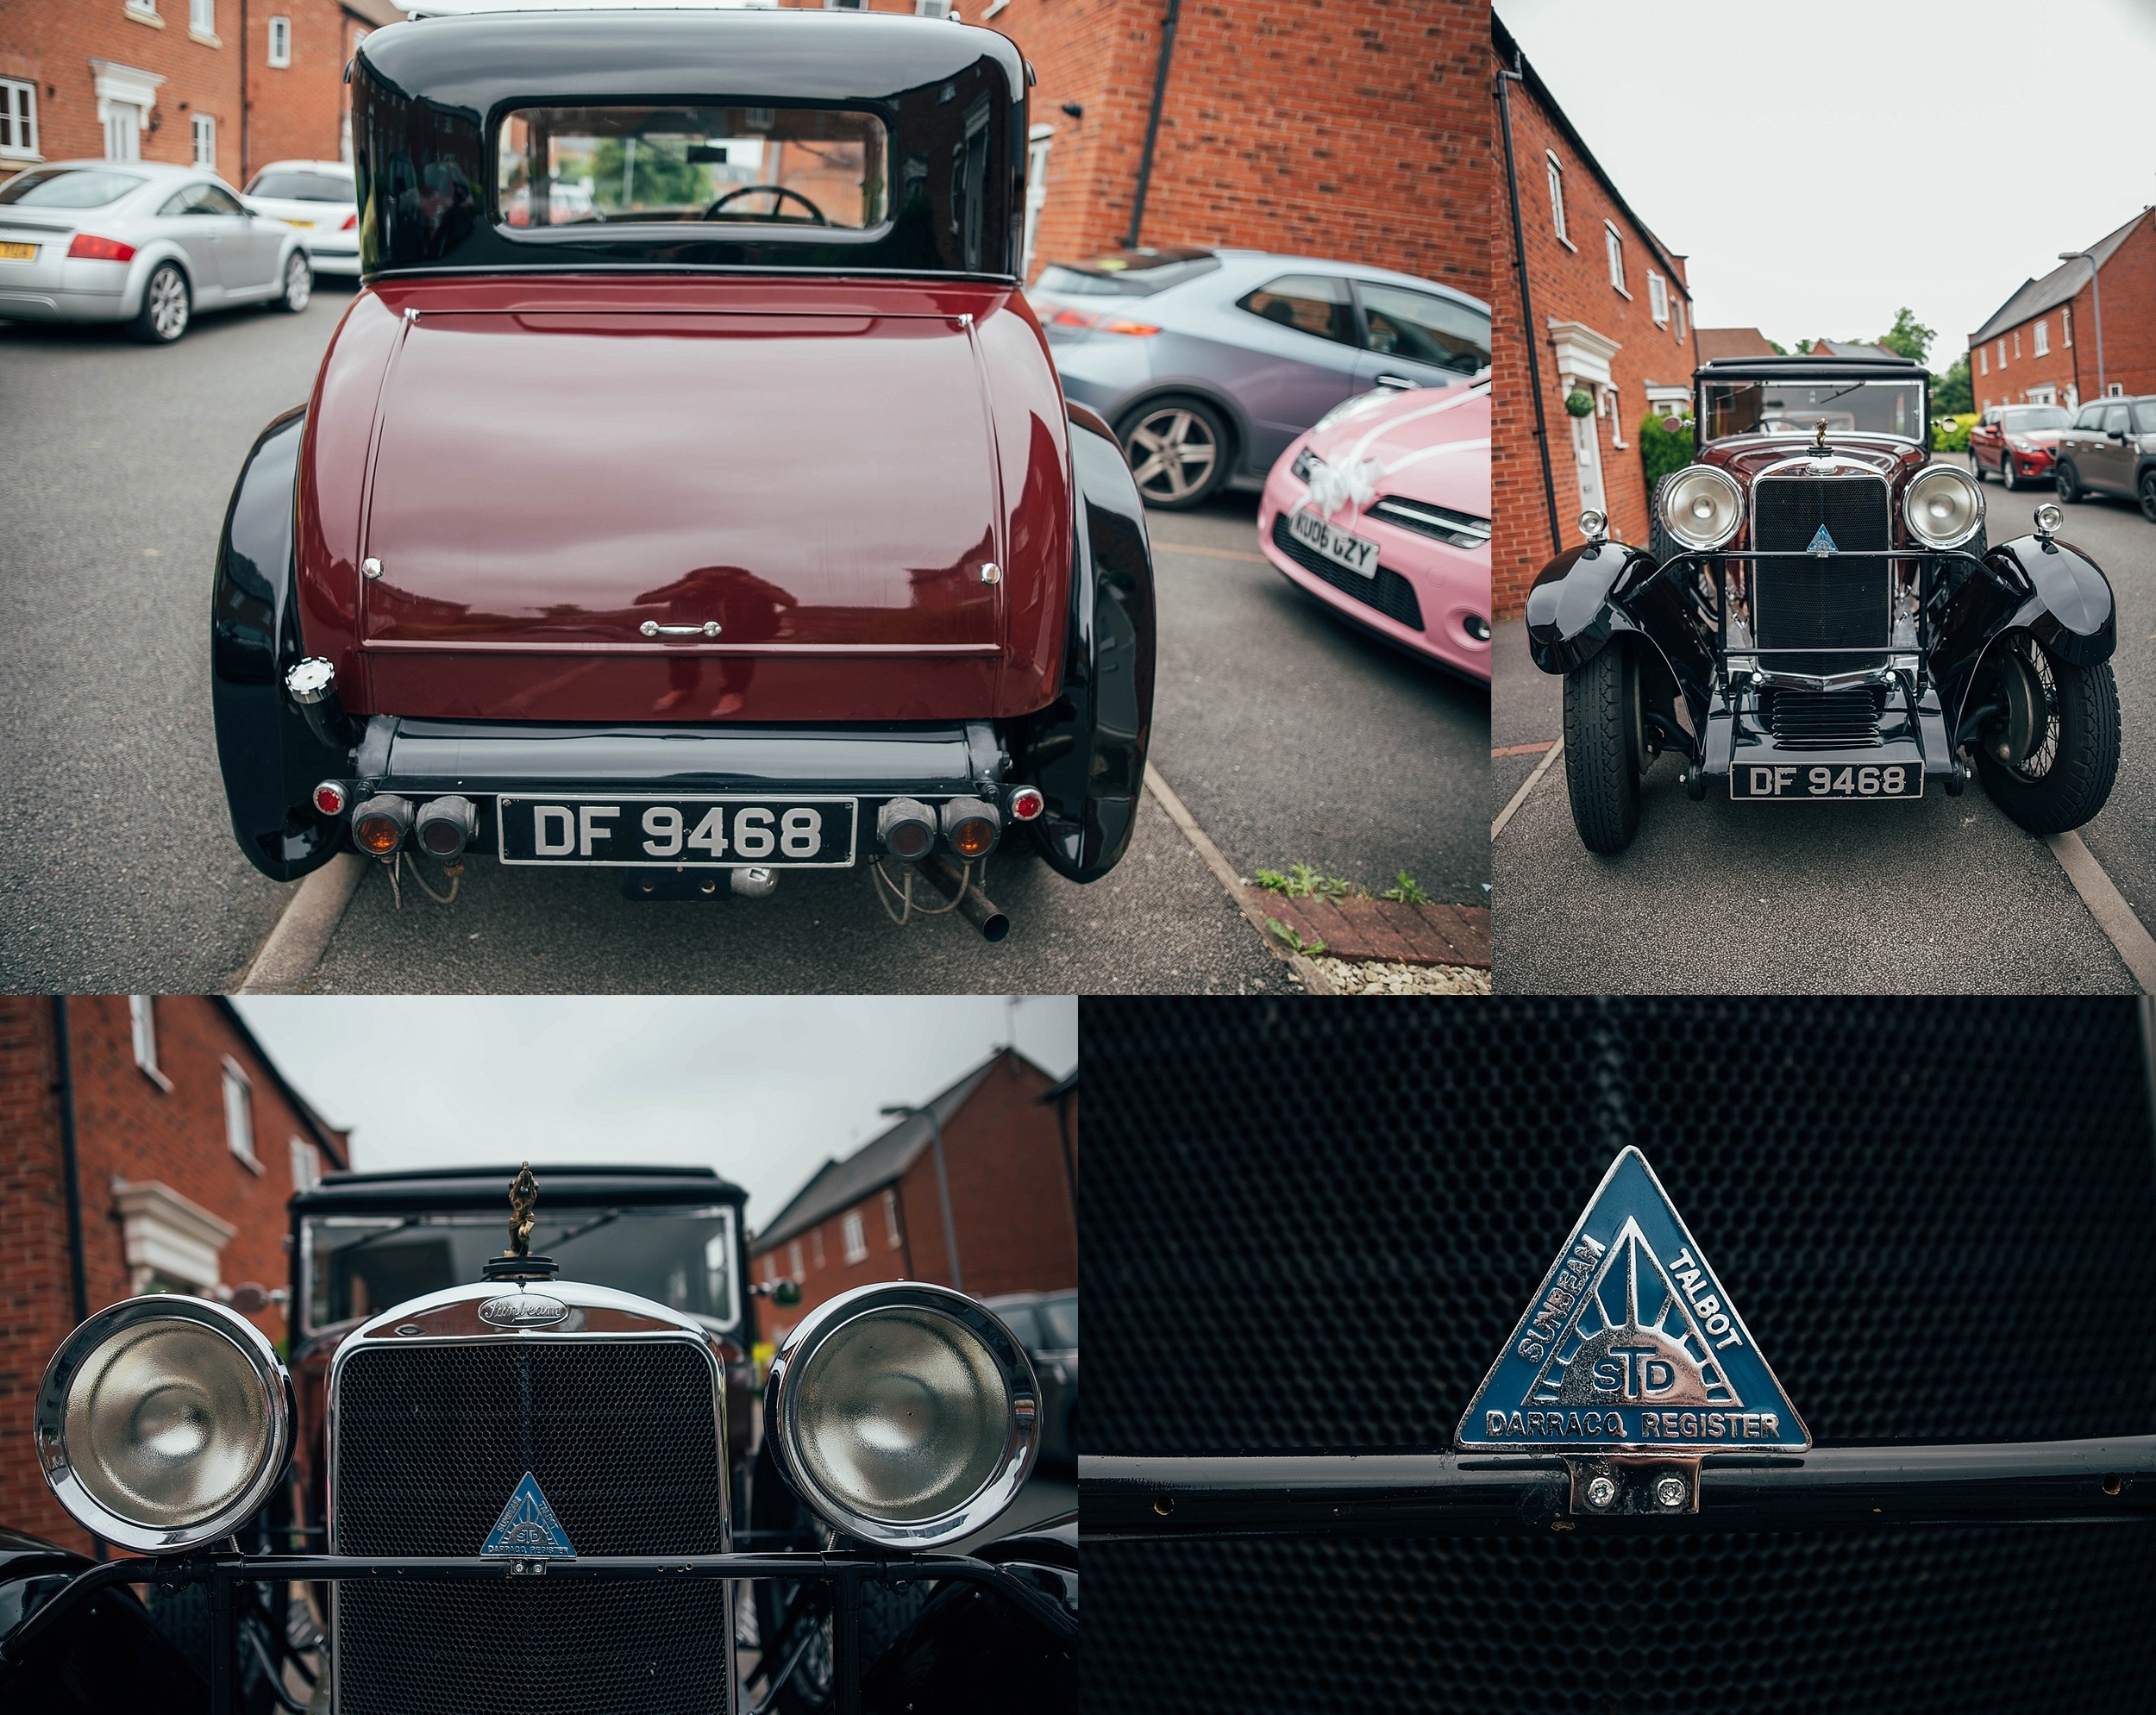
(89, 247)
(1138, 328)
(351, 221)
(1074, 318)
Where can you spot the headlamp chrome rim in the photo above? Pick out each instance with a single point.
(49, 1421)
(1948, 474)
(1680, 528)
(1013, 1463)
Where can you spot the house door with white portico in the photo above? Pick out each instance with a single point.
(1586, 455)
(1583, 366)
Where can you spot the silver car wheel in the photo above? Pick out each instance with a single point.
(1178, 454)
(168, 304)
(300, 282)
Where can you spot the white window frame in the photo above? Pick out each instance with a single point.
(306, 1165)
(770, 1269)
(890, 1219)
(2066, 325)
(793, 1258)
(1556, 199)
(2043, 339)
(206, 134)
(1983, 359)
(856, 1239)
(1658, 299)
(239, 1114)
(18, 113)
(2002, 351)
(281, 42)
(1613, 243)
(1037, 144)
(2017, 342)
(2116, 391)
(144, 9)
(931, 9)
(815, 1247)
(201, 19)
(1677, 304)
(143, 1020)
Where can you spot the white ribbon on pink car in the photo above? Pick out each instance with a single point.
(1354, 480)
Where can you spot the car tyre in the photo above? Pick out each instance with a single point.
(2006, 479)
(299, 284)
(2072, 754)
(1976, 467)
(2067, 481)
(1603, 753)
(1178, 450)
(2148, 494)
(167, 306)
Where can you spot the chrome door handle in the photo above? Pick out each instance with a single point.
(651, 627)
(1400, 381)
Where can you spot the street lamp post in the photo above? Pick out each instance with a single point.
(943, 1186)
(2096, 282)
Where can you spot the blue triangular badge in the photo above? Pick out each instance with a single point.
(1822, 543)
(527, 1528)
(1630, 1344)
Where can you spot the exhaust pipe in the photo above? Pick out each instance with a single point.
(975, 906)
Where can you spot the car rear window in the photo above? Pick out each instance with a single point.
(1311, 304)
(1060, 1317)
(302, 187)
(1024, 1323)
(622, 163)
(1126, 273)
(68, 187)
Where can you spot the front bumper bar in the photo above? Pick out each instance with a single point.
(848, 1573)
(1450, 1494)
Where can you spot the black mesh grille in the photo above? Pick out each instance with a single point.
(1841, 602)
(1310, 1231)
(1391, 594)
(622, 1438)
(1823, 720)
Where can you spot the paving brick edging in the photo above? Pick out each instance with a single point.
(1383, 928)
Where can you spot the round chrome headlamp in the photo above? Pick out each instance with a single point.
(905, 1414)
(163, 1422)
(1701, 506)
(1943, 507)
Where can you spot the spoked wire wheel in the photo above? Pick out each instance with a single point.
(1177, 452)
(2049, 757)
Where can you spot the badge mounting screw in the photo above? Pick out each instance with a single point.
(1600, 1491)
(1669, 1491)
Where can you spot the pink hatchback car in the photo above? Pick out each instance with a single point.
(1382, 511)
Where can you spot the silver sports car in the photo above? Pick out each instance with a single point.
(1209, 362)
(142, 243)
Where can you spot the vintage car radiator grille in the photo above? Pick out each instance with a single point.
(1823, 720)
(1391, 594)
(1889, 1186)
(431, 1440)
(1843, 601)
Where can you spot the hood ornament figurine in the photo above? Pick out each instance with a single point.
(518, 1263)
(1630, 1362)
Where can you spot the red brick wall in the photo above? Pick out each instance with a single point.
(1568, 284)
(1355, 130)
(52, 43)
(1010, 1202)
(297, 112)
(126, 1127)
(2129, 336)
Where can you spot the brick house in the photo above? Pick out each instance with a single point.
(2039, 348)
(1608, 320)
(179, 1141)
(1347, 129)
(174, 81)
(1010, 1156)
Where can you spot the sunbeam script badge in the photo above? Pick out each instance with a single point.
(528, 1529)
(1631, 1345)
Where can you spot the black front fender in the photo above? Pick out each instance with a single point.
(971, 1652)
(270, 757)
(2048, 588)
(1085, 751)
(105, 1657)
(1598, 590)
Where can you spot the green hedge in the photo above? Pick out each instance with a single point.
(1661, 452)
(1954, 439)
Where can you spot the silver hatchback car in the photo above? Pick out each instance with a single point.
(1209, 362)
(142, 243)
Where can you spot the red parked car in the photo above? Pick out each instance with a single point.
(2016, 443)
(715, 512)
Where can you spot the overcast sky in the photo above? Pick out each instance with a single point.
(761, 1089)
(1878, 152)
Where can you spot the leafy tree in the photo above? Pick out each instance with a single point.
(659, 176)
(1804, 346)
(1780, 350)
(1952, 394)
(1908, 337)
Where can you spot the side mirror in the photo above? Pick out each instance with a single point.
(249, 1298)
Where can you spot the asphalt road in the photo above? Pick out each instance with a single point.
(1941, 895)
(1288, 736)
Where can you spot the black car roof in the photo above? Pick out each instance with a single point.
(487, 1188)
(1802, 364)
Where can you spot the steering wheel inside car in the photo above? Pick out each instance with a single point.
(779, 193)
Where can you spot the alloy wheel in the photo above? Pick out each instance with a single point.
(168, 304)
(2148, 496)
(1178, 453)
(299, 282)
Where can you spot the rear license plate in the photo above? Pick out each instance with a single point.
(1354, 553)
(293, 223)
(633, 832)
(18, 253)
(1824, 779)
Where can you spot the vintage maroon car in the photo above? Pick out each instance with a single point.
(716, 512)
